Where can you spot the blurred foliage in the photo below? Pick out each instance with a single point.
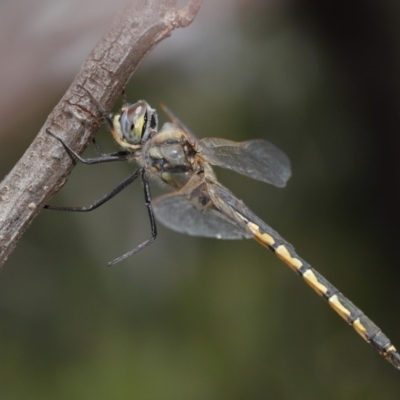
(193, 318)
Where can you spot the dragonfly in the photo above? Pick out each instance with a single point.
(199, 205)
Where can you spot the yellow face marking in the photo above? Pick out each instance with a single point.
(341, 309)
(116, 132)
(312, 280)
(391, 348)
(360, 329)
(283, 253)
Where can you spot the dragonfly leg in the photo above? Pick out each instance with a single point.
(103, 113)
(101, 201)
(147, 198)
(117, 156)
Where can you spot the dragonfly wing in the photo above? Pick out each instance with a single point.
(194, 213)
(257, 159)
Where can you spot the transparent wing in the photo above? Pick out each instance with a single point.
(194, 213)
(210, 210)
(257, 159)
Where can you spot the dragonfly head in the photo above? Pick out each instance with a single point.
(133, 125)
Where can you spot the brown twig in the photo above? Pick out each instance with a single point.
(44, 167)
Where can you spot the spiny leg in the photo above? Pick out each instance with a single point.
(118, 156)
(103, 112)
(370, 332)
(147, 198)
(101, 201)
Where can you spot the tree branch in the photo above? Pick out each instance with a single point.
(44, 167)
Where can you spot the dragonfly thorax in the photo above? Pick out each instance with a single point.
(170, 157)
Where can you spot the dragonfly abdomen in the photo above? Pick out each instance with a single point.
(369, 331)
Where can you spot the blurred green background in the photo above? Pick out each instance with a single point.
(193, 318)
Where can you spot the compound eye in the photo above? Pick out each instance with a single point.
(133, 122)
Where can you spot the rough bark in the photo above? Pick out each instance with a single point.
(44, 167)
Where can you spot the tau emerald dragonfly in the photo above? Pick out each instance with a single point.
(200, 206)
